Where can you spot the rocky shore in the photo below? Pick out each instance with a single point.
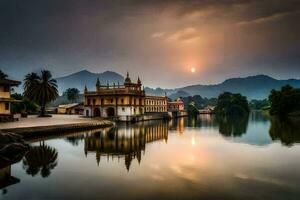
(12, 148)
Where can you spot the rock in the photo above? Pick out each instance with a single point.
(12, 148)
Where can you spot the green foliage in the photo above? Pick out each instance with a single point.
(199, 101)
(26, 106)
(3, 75)
(192, 109)
(284, 101)
(259, 104)
(41, 89)
(232, 104)
(72, 94)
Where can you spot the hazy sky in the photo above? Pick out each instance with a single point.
(158, 40)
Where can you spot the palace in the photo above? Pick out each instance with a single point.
(176, 106)
(156, 104)
(5, 98)
(125, 102)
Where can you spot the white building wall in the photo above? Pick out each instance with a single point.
(89, 112)
(103, 112)
(124, 110)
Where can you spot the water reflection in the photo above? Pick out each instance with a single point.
(75, 139)
(285, 130)
(195, 151)
(42, 158)
(128, 142)
(233, 126)
(204, 120)
(177, 124)
(260, 116)
(6, 179)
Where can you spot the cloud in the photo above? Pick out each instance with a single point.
(267, 19)
(152, 37)
(184, 35)
(158, 34)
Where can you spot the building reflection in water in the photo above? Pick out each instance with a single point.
(203, 120)
(6, 179)
(177, 124)
(128, 141)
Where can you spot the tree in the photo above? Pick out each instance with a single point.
(72, 94)
(199, 101)
(284, 101)
(259, 104)
(25, 105)
(41, 89)
(3, 75)
(192, 109)
(232, 104)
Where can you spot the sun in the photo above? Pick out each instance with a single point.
(193, 70)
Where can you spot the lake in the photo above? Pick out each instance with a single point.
(188, 158)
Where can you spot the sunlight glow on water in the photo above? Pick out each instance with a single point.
(181, 159)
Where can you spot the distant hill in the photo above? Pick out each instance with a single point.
(159, 91)
(254, 87)
(80, 79)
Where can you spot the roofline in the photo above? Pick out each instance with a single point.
(10, 82)
(152, 96)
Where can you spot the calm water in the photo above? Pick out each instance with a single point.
(188, 158)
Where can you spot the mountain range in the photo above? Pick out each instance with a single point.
(86, 78)
(254, 87)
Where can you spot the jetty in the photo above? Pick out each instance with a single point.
(34, 126)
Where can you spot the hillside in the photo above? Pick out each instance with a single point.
(254, 87)
(80, 79)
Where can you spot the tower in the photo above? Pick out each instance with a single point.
(127, 81)
(98, 84)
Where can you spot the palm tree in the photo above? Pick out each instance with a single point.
(40, 89)
(41, 159)
(3, 75)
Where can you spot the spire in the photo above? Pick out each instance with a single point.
(139, 81)
(98, 83)
(127, 80)
(85, 89)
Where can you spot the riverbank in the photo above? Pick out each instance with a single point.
(34, 126)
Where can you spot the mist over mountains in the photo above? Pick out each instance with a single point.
(254, 87)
